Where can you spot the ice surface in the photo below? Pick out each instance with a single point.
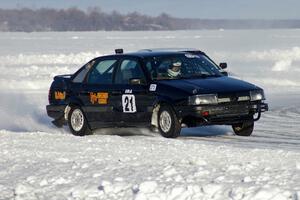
(39, 161)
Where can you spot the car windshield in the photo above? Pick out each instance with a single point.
(182, 66)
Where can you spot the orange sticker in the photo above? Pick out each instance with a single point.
(102, 101)
(102, 95)
(93, 97)
(59, 95)
(98, 97)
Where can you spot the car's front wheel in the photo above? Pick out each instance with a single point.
(168, 123)
(243, 129)
(77, 122)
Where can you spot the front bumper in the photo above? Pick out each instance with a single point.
(225, 113)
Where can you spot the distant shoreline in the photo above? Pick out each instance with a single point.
(127, 31)
(74, 19)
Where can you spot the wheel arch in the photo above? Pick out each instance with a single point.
(74, 101)
(71, 102)
(159, 101)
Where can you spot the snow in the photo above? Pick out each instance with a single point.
(40, 161)
(46, 165)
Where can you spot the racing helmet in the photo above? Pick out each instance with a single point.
(174, 69)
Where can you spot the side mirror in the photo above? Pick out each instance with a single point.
(223, 65)
(135, 81)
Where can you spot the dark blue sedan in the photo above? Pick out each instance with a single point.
(166, 90)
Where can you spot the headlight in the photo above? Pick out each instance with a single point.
(203, 99)
(257, 95)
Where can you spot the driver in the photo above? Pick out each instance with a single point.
(174, 69)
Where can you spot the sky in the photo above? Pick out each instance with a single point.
(208, 9)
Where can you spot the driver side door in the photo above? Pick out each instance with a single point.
(135, 101)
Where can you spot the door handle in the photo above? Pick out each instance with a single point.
(116, 92)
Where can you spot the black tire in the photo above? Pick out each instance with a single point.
(82, 129)
(173, 129)
(243, 129)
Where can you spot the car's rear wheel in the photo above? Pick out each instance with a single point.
(168, 123)
(77, 122)
(243, 129)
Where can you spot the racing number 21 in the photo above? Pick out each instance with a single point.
(128, 103)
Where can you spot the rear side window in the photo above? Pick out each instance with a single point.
(82, 74)
(102, 73)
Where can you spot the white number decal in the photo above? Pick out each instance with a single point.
(128, 103)
(152, 87)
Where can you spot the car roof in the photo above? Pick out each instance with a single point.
(141, 54)
(172, 49)
(185, 50)
(144, 53)
(153, 53)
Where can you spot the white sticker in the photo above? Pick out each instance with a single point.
(188, 55)
(128, 91)
(128, 103)
(152, 87)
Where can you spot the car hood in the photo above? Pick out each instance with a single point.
(219, 85)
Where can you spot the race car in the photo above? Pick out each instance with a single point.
(166, 90)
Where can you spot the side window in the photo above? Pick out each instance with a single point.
(162, 69)
(83, 72)
(164, 66)
(149, 68)
(129, 69)
(102, 73)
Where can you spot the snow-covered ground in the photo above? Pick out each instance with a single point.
(39, 161)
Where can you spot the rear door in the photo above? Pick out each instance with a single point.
(135, 102)
(96, 93)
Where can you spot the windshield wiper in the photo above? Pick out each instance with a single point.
(193, 76)
(199, 76)
(213, 75)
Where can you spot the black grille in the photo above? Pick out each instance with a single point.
(234, 97)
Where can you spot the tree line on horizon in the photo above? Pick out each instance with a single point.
(94, 19)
